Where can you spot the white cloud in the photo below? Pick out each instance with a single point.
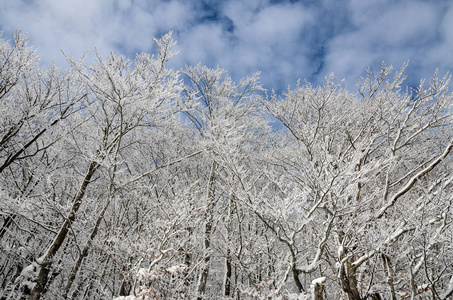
(388, 31)
(204, 43)
(78, 26)
(73, 26)
(268, 25)
(268, 38)
(440, 54)
(263, 38)
(285, 40)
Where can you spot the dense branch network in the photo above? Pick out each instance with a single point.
(129, 180)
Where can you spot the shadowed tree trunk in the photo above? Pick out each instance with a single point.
(228, 275)
(228, 271)
(349, 281)
(201, 289)
(85, 250)
(46, 265)
(318, 290)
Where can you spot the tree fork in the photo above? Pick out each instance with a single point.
(84, 252)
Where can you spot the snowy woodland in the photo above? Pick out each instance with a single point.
(126, 179)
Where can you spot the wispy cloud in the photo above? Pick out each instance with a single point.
(386, 31)
(286, 40)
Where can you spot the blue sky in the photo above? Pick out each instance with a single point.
(285, 40)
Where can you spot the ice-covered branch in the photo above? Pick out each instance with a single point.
(413, 180)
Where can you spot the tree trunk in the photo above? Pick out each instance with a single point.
(188, 261)
(46, 265)
(84, 252)
(201, 289)
(228, 274)
(390, 275)
(349, 281)
(295, 271)
(318, 291)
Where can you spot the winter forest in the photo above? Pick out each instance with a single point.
(129, 180)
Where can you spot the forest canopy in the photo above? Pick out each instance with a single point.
(125, 179)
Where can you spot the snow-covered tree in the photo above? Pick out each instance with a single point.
(355, 174)
(123, 179)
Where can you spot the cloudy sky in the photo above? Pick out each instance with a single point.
(285, 40)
